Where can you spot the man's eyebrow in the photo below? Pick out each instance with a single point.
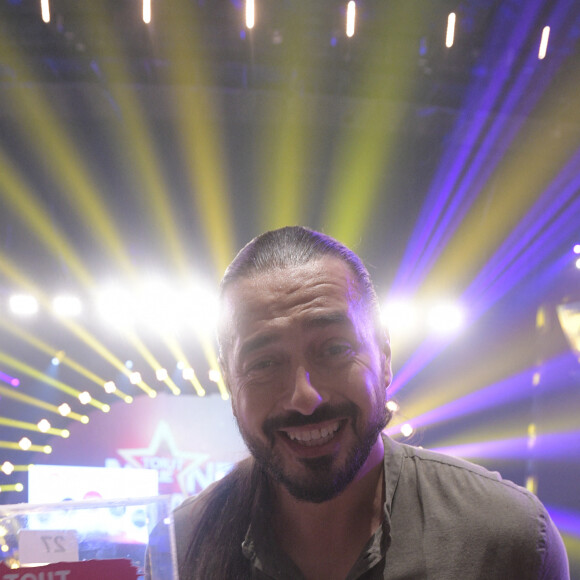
(327, 319)
(258, 342)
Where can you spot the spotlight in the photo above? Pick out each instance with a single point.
(450, 36)
(147, 11)
(350, 18)
(576, 249)
(188, 374)
(392, 406)
(214, 376)
(45, 10)
(544, 43)
(25, 444)
(110, 387)
(43, 426)
(250, 14)
(400, 317)
(7, 468)
(446, 319)
(161, 374)
(85, 398)
(66, 306)
(64, 409)
(406, 429)
(23, 304)
(135, 378)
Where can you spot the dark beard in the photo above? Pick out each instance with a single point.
(322, 482)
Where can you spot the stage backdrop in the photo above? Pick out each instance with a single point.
(190, 441)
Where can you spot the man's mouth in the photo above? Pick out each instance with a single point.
(312, 437)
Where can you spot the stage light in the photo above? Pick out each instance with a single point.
(161, 374)
(110, 387)
(23, 304)
(128, 399)
(84, 419)
(7, 468)
(350, 18)
(188, 374)
(106, 408)
(47, 449)
(25, 443)
(446, 319)
(214, 375)
(135, 378)
(201, 307)
(85, 398)
(64, 409)
(450, 36)
(392, 406)
(67, 306)
(43, 426)
(45, 10)
(250, 14)
(578, 264)
(406, 429)
(399, 316)
(115, 306)
(65, 433)
(544, 43)
(577, 249)
(147, 11)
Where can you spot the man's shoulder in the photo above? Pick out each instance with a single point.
(438, 471)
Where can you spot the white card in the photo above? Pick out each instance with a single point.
(48, 546)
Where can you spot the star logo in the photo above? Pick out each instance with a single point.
(173, 465)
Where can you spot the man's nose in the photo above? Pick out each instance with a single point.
(305, 398)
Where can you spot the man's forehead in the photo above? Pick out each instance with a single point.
(318, 280)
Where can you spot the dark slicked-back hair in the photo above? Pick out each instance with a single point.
(295, 246)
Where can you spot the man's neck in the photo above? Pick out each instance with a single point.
(338, 528)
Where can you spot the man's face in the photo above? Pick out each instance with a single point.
(307, 377)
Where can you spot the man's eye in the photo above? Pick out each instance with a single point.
(338, 349)
(261, 365)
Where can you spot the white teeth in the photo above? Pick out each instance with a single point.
(314, 436)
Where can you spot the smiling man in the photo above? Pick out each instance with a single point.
(325, 495)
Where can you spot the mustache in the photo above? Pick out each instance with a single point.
(325, 412)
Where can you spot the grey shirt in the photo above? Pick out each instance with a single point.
(445, 519)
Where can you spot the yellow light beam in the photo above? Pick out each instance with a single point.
(364, 154)
(62, 158)
(179, 355)
(519, 180)
(211, 356)
(150, 358)
(15, 274)
(31, 211)
(7, 422)
(288, 145)
(141, 155)
(13, 393)
(12, 487)
(33, 448)
(200, 131)
(49, 350)
(40, 376)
